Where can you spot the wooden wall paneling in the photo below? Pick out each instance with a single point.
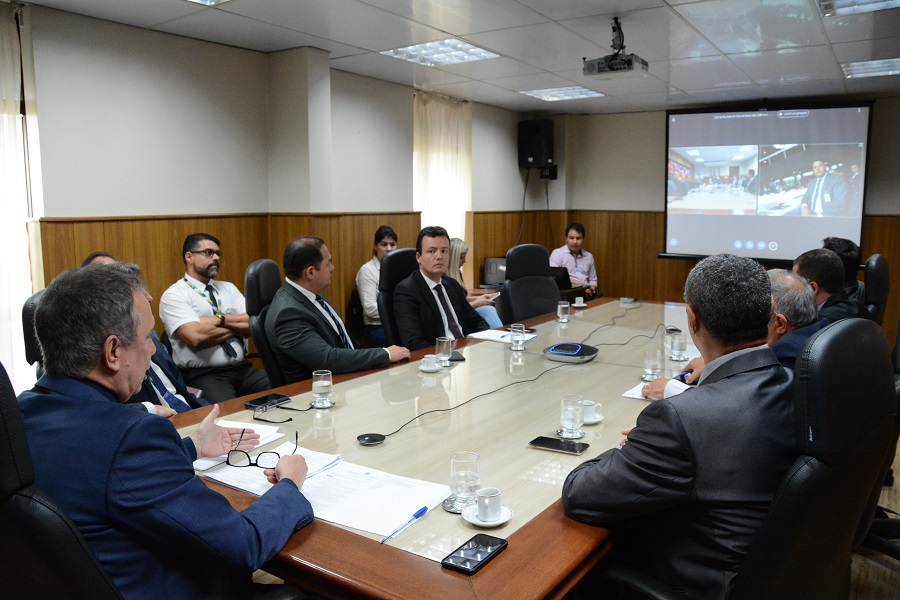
(58, 248)
(282, 229)
(881, 235)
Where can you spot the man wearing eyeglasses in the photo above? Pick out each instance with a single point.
(208, 326)
(125, 477)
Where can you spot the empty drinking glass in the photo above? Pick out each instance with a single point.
(517, 337)
(443, 349)
(679, 346)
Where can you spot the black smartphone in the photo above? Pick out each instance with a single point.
(527, 329)
(474, 554)
(273, 399)
(558, 445)
(457, 357)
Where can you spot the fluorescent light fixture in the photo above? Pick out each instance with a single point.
(208, 2)
(737, 157)
(700, 160)
(693, 153)
(567, 93)
(446, 52)
(872, 68)
(840, 8)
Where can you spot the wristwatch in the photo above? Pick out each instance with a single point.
(221, 319)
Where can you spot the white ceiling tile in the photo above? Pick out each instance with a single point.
(736, 94)
(394, 69)
(535, 81)
(491, 68)
(867, 50)
(738, 26)
(864, 26)
(808, 89)
(234, 30)
(568, 9)
(662, 100)
(616, 87)
(347, 21)
(478, 91)
(652, 34)
(549, 45)
(789, 66)
(462, 16)
(139, 14)
(700, 73)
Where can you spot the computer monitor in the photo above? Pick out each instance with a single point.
(494, 271)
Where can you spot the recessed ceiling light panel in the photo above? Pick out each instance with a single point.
(445, 52)
(840, 8)
(872, 68)
(566, 93)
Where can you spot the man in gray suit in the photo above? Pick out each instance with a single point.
(304, 330)
(699, 470)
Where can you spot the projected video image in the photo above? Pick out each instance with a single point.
(811, 180)
(713, 180)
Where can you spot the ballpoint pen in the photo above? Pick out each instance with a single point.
(683, 375)
(397, 531)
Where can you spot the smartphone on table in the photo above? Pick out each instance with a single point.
(474, 554)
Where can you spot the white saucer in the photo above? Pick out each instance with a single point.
(425, 369)
(471, 515)
(593, 421)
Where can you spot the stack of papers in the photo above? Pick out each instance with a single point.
(267, 434)
(498, 336)
(253, 479)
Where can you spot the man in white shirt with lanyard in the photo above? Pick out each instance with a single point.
(207, 324)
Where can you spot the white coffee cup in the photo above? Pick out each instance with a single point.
(429, 361)
(588, 409)
(579, 301)
(488, 504)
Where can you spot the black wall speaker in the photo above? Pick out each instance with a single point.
(536, 144)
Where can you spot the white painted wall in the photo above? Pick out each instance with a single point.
(135, 122)
(372, 128)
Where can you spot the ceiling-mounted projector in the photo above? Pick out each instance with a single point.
(619, 64)
(616, 66)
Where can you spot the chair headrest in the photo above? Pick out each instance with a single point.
(395, 267)
(32, 348)
(877, 279)
(261, 280)
(843, 387)
(16, 470)
(527, 259)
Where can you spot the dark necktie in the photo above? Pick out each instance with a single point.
(334, 319)
(226, 345)
(451, 322)
(174, 402)
(817, 199)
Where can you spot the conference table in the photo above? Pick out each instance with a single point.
(493, 403)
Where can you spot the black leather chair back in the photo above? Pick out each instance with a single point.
(261, 280)
(878, 284)
(530, 289)
(395, 267)
(32, 348)
(46, 556)
(844, 428)
(354, 321)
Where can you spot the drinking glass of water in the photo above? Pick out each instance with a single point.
(443, 349)
(679, 347)
(464, 479)
(652, 364)
(571, 417)
(562, 310)
(517, 337)
(322, 389)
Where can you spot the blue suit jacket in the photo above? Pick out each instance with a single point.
(788, 346)
(125, 478)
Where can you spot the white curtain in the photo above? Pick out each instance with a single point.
(442, 161)
(15, 278)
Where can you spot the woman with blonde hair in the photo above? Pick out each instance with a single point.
(483, 303)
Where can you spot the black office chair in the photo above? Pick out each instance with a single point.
(878, 284)
(46, 556)
(261, 280)
(354, 321)
(530, 289)
(32, 348)
(395, 267)
(844, 428)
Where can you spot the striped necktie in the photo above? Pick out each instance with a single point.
(335, 320)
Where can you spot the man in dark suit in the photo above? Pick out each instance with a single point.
(695, 479)
(825, 273)
(851, 256)
(827, 195)
(428, 304)
(124, 476)
(304, 330)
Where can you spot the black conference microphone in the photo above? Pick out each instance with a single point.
(370, 439)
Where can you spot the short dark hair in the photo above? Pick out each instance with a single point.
(732, 297)
(79, 310)
(432, 231)
(192, 241)
(822, 266)
(849, 253)
(95, 255)
(385, 231)
(578, 227)
(303, 252)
